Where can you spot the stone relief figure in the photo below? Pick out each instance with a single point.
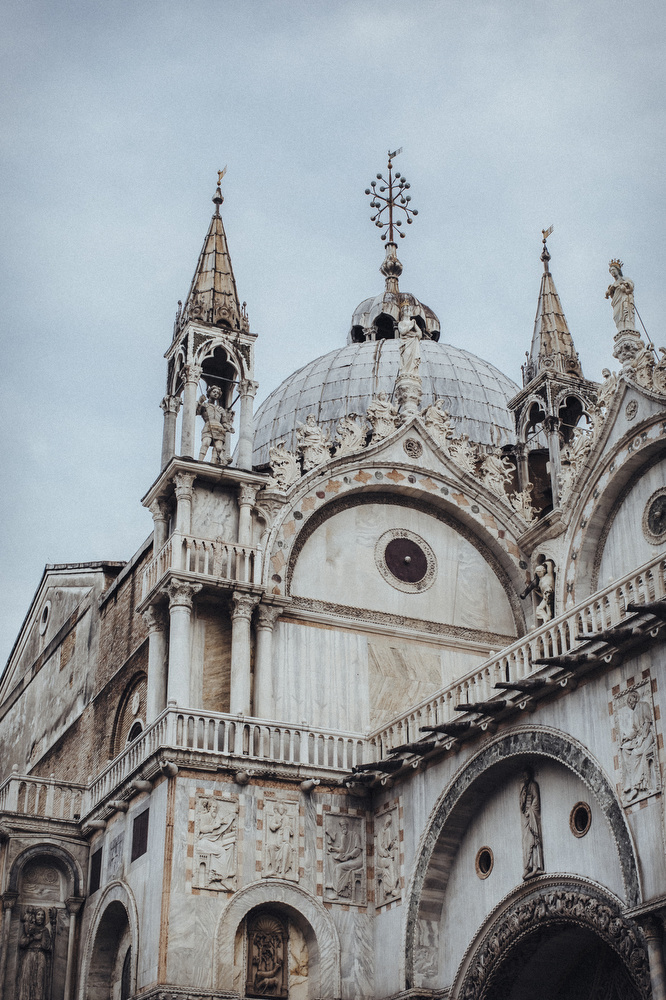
(497, 470)
(410, 344)
(313, 443)
(281, 842)
(215, 844)
(530, 810)
(35, 951)
(522, 504)
(344, 854)
(637, 747)
(382, 416)
(463, 453)
(607, 391)
(387, 860)
(641, 367)
(349, 435)
(438, 423)
(284, 468)
(621, 293)
(218, 422)
(267, 957)
(545, 590)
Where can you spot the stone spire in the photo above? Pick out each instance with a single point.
(552, 345)
(213, 298)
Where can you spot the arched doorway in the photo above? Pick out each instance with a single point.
(110, 975)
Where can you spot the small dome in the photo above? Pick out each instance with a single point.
(343, 381)
(377, 318)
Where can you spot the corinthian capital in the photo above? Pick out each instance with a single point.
(267, 615)
(183, 482)
(246, 493)
(243, 604)
(171, 404)
(247, 387)
(153, 618)
(191, 373)
(181, 594)
(159, 509)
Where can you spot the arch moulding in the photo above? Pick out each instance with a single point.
(61, 858)
(114, 892)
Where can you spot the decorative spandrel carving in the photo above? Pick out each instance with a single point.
(267, 957)
(530, 815)
(36, 940)
(350, 435)
(382, 416)
(463, 453)
(218, 423)
(496, 472)
(281, 839)
(284, 468)
(522, 504)
(438, 424)
(313, 443)
(638, 759)
(387, 857)
(344, 859)
(215, 838)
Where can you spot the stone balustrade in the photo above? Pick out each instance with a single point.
(33, 796)
(605, 609)
(210, 559)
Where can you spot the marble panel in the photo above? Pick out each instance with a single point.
(400, 674)
(626, 545)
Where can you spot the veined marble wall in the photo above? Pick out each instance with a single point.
(626, 544)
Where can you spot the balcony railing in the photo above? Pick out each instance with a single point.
(205, 557)
(603, 610)
(32, 796)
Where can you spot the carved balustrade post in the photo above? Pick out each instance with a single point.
(267, 615)
(156, 696)
(8, 900)
(160, 512)
(181, 598)
(654, 937)
(246, 496)
(241, 613)
(247, 392)
(170, 406)
(183, 483)
(73, 904)
(191, 376)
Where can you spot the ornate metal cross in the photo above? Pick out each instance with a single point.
(387, 204)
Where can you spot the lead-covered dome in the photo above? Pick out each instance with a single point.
(343, 381)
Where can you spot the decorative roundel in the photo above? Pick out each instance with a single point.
(44, 618)
(654, 517)
(413, 448)
(484, 862)
(580, 819)
(405, 560)
(136, 702)
(631, 409)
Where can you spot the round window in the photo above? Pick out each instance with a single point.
(484, 862)
(44, 618)
(405, 560)
(580, 819)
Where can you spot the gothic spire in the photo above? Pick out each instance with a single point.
(213, 298)
(552, 344)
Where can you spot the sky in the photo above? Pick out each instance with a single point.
(513, 116)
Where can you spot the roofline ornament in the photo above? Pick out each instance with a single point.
(390, 199)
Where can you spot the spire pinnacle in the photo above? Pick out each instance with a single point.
(552, 344)
(218, 197)
(389, 200)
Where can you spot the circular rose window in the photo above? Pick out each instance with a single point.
(405, 560)
(654, 517)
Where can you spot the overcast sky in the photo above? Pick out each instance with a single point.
(513, 116)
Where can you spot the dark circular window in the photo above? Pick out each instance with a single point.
(406, 560)
(484, 862)
(654, 517)
(580, 819)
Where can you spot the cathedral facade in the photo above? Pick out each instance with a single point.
(375, 711)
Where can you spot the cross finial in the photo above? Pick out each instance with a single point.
(217, 197)
(390, 197)
(545, 256)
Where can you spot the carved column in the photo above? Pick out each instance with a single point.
(181, 597)
(241, 614)
(73, 904)
(183, 483)
(160, 512)
(520, 452)
(8, 900)
(170, 406)
(267, 615)
(156, 697)
(246, 497)
(191, 375)
(652, 929)
(247, 392)
(552, 427)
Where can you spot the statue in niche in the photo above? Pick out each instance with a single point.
(215, 844)
(530, 810)
(313, 443)
(387, 860)
(267, 957)
(349, 435)
(36, 940)
(218, 422)
(621, 293)
(544, 573)
(382, 415)
(438, 423)
(410, 336)
(281, 855)
(346, 864)
(637, 747)
(284, 468)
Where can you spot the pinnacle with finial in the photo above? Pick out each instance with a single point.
(389, 200)
(545, 256)
(218, 197)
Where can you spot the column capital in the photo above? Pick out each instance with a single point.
(153, 618)
(652, 927)
(171, 404)
(159, 509)
(8, 899)
(551, 423)
(267, 615)
(74, 904)
(183, 483)
(247, 493)
(243, 604)
(191, 373)
(181, 594)
(247, 387)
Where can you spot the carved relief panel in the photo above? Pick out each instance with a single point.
(267, 956)
(37, 964)
(345, 879)
(281, 840)
(388, 882)
(215, 862)
(637, 758)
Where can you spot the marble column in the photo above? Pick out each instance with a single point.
(241, 614)
(191, 375)
(170, 406)
(522, 466)
(246, 498)
(182, 484)
(160, 512)
(73, 904)
(247, 390)
(267, 615)
(552, 428)
(181, 598)
(8, 900)
(654, 937)
(156, 696)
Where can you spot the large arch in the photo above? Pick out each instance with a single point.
(313, 918)
(464, 795)
(114, 926)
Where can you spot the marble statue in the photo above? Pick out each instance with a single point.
(281, 855)
(621, 293)
(641, 367)
(387, 860)
(313, 443)
(410, 344)
(532, 840)
(218, 422)
(522, 504)
(637, 746)
(382, 415)
(267, 957)
(215, 844)
(496, 470)
(659, 373)
(438, 423)
(284, 468)
(344, 846)
(545, 589)
(607, 391)
(463, 453)
(349, 435)
(35, 949)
